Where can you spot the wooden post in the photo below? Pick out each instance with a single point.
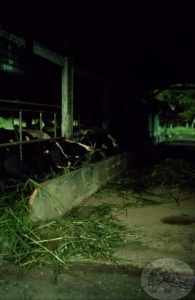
(40, 121)
(105, 106)
(67, 86)
(67, 99)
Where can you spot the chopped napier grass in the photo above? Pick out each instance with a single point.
(173, 172)
(85, 232)
(170, 172)
(57, 242)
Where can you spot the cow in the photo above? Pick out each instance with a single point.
(29, 134)
(76, 152)
(31, 160)
(13, 135)
(39, 158)
(44, 157)
(7, 135)
(101, 141)
(12, 168)
(10, 164)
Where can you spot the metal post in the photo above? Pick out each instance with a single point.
(40, 121)
(67, 100)
(20, 134)
(55, 126)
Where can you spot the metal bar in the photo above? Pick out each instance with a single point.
(26, 110)
(20, 134)
(40, 121)
(28, 142)
(20, 126)
(55, 126)
(28, 103)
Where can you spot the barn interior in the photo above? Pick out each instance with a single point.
(116, 67)
(126, 73)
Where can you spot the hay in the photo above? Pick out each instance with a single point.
(87, 232)
(170, 172)
(92, 234)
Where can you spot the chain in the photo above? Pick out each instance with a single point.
(20, 135)
(21, 153)
(17, 138)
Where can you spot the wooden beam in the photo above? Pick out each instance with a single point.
(67, 99)
(66, 86)
(48, 54)
(87, 75)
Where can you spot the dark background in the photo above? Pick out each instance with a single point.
(145, 42)
(135, 47)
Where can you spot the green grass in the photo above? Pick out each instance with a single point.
(89, 233)
(8, 123)
(178, 132)
(86, 232)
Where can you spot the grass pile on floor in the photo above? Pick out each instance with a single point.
(76, 235)
(171, 172)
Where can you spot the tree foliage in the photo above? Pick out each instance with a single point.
(181, 101)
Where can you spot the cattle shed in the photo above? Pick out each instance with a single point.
(53, 87)
(54, 197)
(74, 107)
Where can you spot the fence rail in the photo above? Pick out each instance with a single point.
(24, 107)
(17, 101)
(11, 144)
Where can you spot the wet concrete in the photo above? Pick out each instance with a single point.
(79, 281)
(88, 281)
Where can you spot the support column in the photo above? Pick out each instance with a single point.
(67, 99)
(105, 106)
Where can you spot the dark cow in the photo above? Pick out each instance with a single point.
(77, 153)
(13, 165)
(37, 134)
(8, 135)
(12, 135)
(104, 143)
(32, 160)
(12, 168)
(39, 158)
(44, 157)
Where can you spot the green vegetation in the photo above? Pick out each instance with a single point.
(176, 111)
(85, 232)
(181, 101)
(181, 132)
(175, 133)
(8, 123)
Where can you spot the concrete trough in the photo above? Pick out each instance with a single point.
(55, 197)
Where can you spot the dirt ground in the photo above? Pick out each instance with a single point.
(149, 239)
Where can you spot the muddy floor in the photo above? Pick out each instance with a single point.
(161, 223)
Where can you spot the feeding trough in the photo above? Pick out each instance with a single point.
(55, 197)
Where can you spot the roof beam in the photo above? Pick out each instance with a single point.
(48, 54)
